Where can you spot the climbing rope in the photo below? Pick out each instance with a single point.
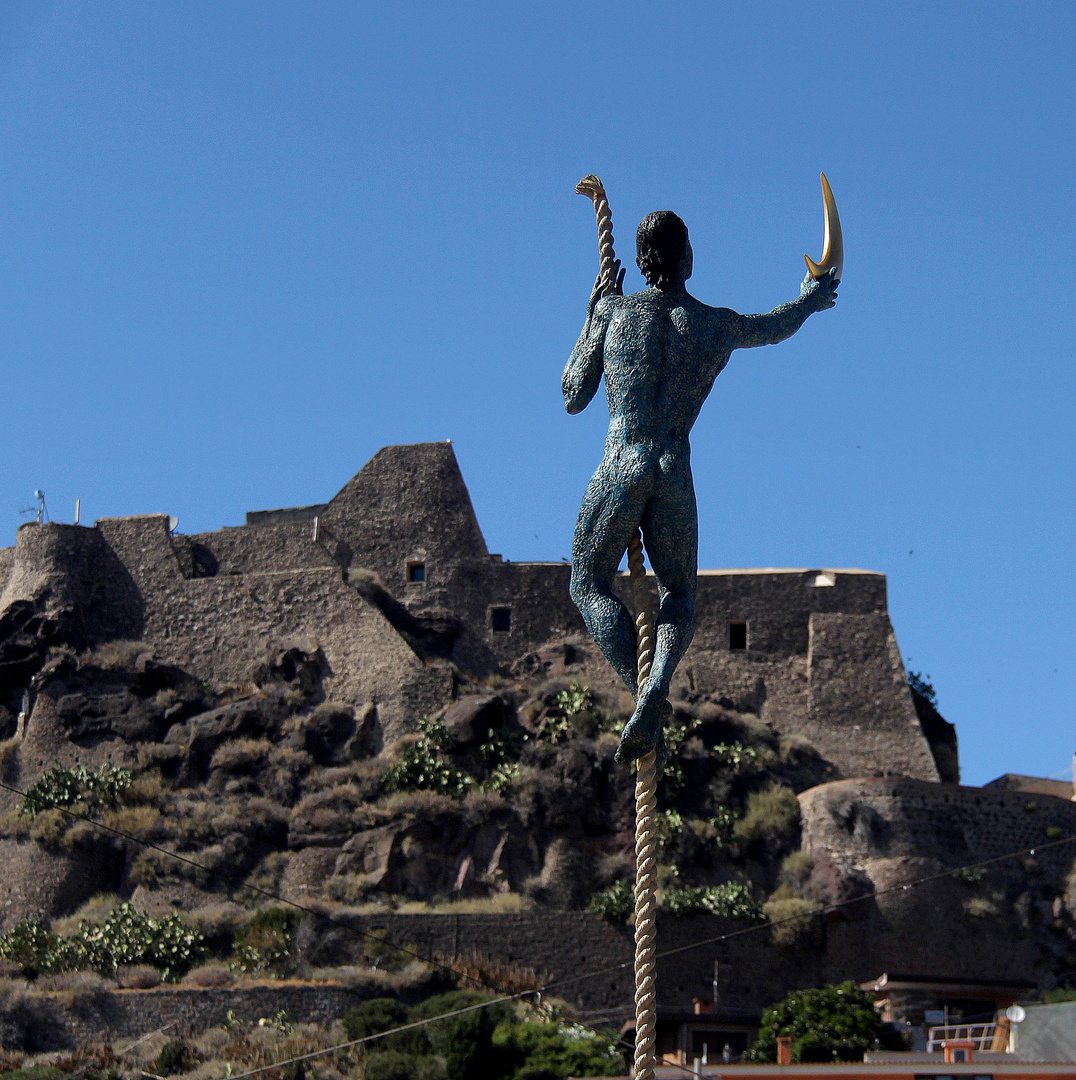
(646, 777)
(591, 187)
(646, 846)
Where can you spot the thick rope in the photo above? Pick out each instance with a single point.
(591, 186)
(646, 778)
(646, 847)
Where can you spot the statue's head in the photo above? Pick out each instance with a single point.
(664, 250)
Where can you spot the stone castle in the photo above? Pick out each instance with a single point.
(811, 652)
(391, 587)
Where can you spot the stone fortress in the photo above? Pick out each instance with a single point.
(391, 584)
(811, 652)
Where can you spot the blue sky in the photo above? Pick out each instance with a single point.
(243, 246)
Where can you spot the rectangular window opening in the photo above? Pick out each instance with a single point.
(416, 573)
(500, 620)
(737, 636)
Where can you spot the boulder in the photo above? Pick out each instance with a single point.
(470, 719)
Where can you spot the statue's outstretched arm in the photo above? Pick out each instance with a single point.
(785, 320)
(583, 372)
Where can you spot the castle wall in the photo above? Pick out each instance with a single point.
(7, 561)
(896, 817)
(882, 835)
(68, 572)
(859, 704)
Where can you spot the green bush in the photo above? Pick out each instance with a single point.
(383, 1014)
(264, 945)
(830, 1023)
(556, 1050)
(420, 768)
(62, 786)
(466, 1041)
(396, 1065)
(175, 1057)
(736, 756)
(34, 1072)
(730, 899)
(614, 904)
(26, 943)
(126, 937)
(771, 818)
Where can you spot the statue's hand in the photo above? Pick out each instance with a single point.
(596, 293)
(618, 277)
(820, 294)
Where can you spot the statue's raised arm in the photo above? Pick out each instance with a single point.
(818, 291)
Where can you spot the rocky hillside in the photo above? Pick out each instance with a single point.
(511, 793)
(508, 799)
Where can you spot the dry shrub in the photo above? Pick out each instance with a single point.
(77, 989)
(349, 888)
(339, 809)
(208, 975)
(796, 871)
(48, 829)
(477, 970)
(137, 977)
(137, 821)
(117, 655)
(980, 907)
(796, 750)
(428, 805)
(505, 903)
(286, 768)
(241, 755)
(794, 920)
(482, 805)
(219, 920)
(269, 873)
(771, 818)
(146, 789)
(375, 982)
(96, 910)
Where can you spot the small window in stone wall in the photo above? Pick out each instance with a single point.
(737, 636)
(500, 620)
(416, 573)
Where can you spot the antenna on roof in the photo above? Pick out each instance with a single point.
(173, 524)
(42, 509)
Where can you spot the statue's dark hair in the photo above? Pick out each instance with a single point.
(660, 243)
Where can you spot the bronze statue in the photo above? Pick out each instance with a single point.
(660, 350)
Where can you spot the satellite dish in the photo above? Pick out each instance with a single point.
(173, 523)
(1016, 1014)
(39, 494)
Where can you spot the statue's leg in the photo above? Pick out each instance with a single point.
(612, 509)
(671, 536)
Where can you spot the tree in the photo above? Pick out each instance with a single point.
(466, 1041)
(830, 1023)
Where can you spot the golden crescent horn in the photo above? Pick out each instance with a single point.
(833, 243)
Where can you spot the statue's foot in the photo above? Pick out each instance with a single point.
(645, 732)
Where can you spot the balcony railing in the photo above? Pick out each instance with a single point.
(982, 1035)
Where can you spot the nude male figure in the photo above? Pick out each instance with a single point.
(660, 351)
